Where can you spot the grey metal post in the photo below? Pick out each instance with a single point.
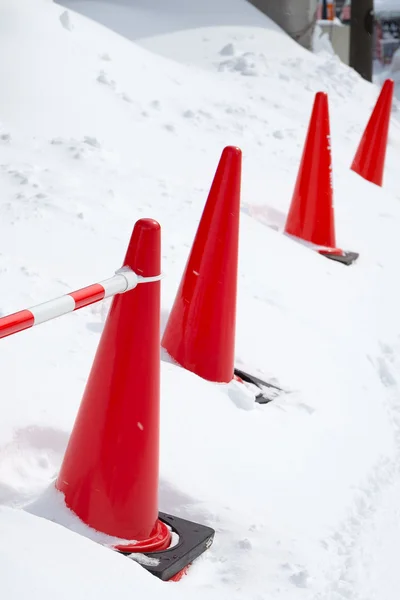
(296, 17)
(361, 37)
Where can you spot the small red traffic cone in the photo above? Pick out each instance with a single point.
(311, 216)
(200, 332)
(369, 161)
(110, 470)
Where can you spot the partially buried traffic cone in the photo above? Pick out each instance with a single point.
(311, 215)
(369, 161)
(110, 470)
(200, 332)
(109, 475)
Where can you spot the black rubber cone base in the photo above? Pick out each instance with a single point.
(268, 391)
(194, 539)
(348, 258)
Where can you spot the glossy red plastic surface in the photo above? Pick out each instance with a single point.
(311, 215)
(369, 161)
(88, 295)
(200, 332)
(110, 470)
(16, 322)
(160, 539)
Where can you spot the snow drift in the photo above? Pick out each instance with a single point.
(97, 132)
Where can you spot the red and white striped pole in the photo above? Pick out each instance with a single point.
(124, 280)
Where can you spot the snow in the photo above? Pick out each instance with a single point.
(28, 543)
(321, 41)
(140, 19)
(97, 131)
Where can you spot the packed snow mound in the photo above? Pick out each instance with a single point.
(191, 32)
(30, 541)
(239, 49)
(136, 19)
(97, 132)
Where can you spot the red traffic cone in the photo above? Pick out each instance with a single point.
(369, 161)
(109, 475)
(110, 470)
(311, 216)
(200, 332)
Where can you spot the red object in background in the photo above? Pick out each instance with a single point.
(345, 15)
(110, 470)
(369, 161)
(311, 215)
(200, 333)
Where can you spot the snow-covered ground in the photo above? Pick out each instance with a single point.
(139, 19)
(96, 132)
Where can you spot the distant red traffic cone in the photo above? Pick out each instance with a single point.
(200, 332)
(369, 161)
(110, 470)
(311, 214)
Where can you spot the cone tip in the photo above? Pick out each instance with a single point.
(388, 84)
(321, 97)
(143, 250)
(321, 103)
(232, 151)
(147, 225)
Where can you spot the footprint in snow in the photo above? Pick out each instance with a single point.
(105, 80)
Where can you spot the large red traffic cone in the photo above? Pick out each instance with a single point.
(311, 215)
(369, 161)
(110, 470)
(200, 332)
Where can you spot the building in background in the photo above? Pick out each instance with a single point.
(386, 29)
(387, 34)
(298, 18)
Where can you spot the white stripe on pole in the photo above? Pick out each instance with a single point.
(52, 309)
